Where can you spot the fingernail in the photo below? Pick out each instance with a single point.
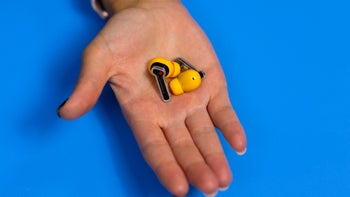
(211, 195)
(59, 107)
(243, 152)
(222, 189)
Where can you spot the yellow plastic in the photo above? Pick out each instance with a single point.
(176, 87)
(185, 82)
(174, 67)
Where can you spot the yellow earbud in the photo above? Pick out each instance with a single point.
(187, 81)
(172, 69)
(187, 77)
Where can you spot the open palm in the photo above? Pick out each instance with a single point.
(178, 138)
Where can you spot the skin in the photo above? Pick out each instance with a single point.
(178, 138)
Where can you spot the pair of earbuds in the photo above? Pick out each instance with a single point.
(185, 77)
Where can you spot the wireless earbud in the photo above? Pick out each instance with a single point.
(172, 69)
(186, 81)
(187, 77)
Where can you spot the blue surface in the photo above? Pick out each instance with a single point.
(287, 66)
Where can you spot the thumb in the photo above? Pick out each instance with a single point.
(93, 76)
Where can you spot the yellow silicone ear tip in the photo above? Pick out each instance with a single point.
(175, 70)
(175, 87)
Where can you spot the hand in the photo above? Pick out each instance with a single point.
(178, 138)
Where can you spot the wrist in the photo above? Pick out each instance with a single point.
(114, 6)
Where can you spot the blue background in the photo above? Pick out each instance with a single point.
(287, 65)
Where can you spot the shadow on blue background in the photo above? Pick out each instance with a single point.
(287, 65)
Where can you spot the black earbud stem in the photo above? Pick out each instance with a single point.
(159, 73)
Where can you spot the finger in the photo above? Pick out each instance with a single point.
(225, 119)
(92, 78)
(206, 139)
(190, 159)
(160, 158)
